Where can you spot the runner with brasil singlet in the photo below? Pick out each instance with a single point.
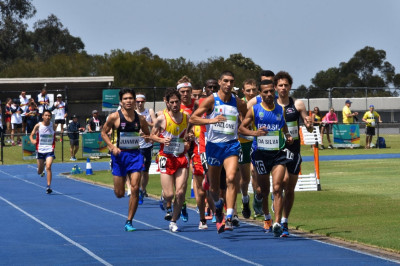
(222, 148)
(45, 143)
(126, 159)
(169, 130)
(294, 109)
(269, 155)
(260, 205)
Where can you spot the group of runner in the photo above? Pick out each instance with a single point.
(202, 134)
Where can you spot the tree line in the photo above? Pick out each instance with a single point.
(51, 51)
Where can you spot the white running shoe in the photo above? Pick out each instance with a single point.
(203, 226)
(277, 229)
(173, 227)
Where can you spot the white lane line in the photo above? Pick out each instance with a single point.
(87, 251)
(144, 223)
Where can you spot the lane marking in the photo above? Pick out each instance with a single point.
(143, 223)
(87, 251)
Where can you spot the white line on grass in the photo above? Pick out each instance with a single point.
(87, 251)
(146, 224)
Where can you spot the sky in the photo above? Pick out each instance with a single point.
(301, 37)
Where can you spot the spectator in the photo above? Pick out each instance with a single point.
(61, 112)
(16, 122)
(94, 124)
(348, 116)
(73, 134)
(43, 102)
(1, 127)
(7, 118)
(370, 118)
(326, 126)
(316, 116)
(31, 115)
(23, 104)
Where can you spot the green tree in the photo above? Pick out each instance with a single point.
(14, 42)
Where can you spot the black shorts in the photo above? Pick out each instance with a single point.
(74, 142)
(293, 167)
(370, 131)
(147, 152)
(264, 161)
(59, 121)
(23, 119)
(16, 126)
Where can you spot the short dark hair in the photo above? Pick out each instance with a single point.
(267, 73)
(210, 80)
(227, 73)
(171, 92)
(283, 75)
(265, 82)
(126, 90)
(47, 111)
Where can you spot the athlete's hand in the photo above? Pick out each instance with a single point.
(115, 151)
(262, 131)
(33, 142)
(218, 118)
(309, 124)
(167, 141)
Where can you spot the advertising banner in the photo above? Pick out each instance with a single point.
(110, 100)
(93, 145)
(346, 135)
(28, 149)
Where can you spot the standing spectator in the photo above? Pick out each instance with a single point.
(61, 112)
(370, 118)
(7, 118)
(348, 115)
(1, 127)
(73, 134)
(43, 101)
(327, 121)
(16, 122)
(31, 115)
(94, 124)
(23, 104)
(316, 116)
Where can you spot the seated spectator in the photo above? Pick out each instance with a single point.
(327, 121)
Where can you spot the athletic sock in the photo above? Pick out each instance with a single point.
(229, 212)
(245, 199)
(258, 197)
(284, 220)
(267, 216)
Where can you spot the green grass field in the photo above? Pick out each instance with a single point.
(359, 201)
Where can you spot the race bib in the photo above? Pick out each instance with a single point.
(46, 140)
(293, 129)
(175, 147)
(129, 140)
(270, 142)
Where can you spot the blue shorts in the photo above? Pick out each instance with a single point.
(127, 162)
(217, 152)
(147, 152)
(44, 156)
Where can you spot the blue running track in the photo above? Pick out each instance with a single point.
(83, 224)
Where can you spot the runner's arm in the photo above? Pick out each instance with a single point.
(112, 118)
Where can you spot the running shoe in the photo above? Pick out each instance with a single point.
(140, 197)
(322, 147)
(268, 226)
(162, 203)
(48, 190)
(214, 219)
(277, 229)
(71, 159)
(184, 214)
(285, 230)
(13, 143)
(228, 225)
(246, 212)
(168, 215)
(330, 147)
(220, 221)
(173, 227)
(42, 174)
(257, 207)
(129, 227)
(203, 225)
(145, 194)
(235, 221)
